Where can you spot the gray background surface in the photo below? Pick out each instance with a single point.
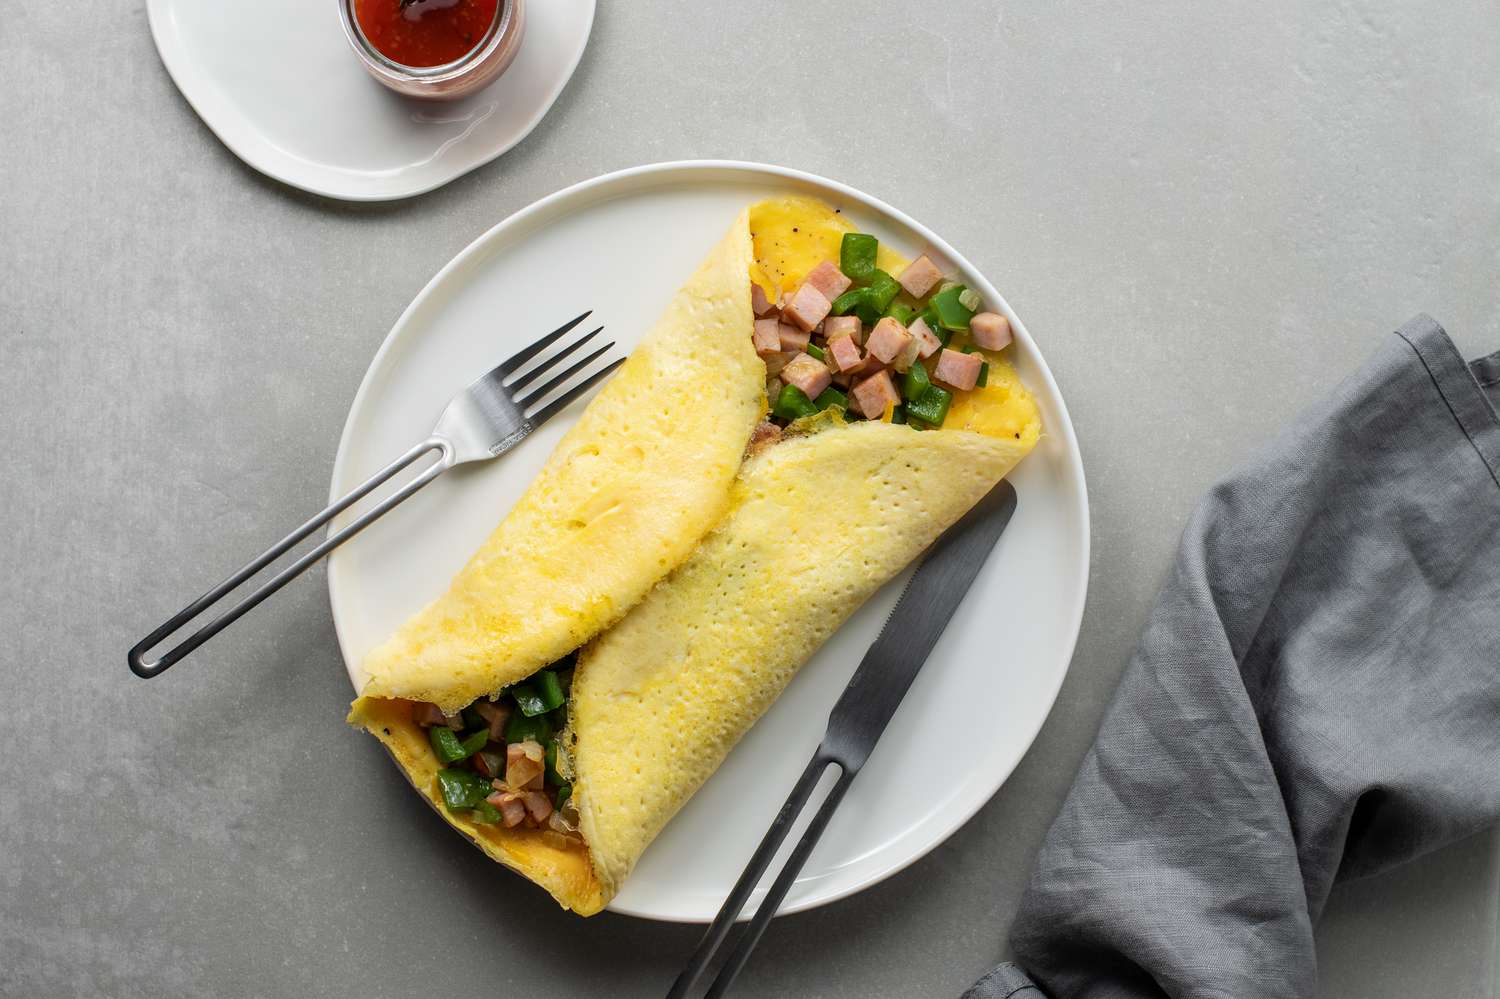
(1206, 214)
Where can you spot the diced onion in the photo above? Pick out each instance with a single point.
(969, 299)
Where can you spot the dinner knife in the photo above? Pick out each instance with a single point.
(854, 726)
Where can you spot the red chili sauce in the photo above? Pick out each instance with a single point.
(424, 32)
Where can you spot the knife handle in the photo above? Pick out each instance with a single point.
(759, 863)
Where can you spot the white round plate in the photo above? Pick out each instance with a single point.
(621, 244)
(277, 82)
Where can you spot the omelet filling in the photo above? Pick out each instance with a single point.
(850, 330)
(498, 757)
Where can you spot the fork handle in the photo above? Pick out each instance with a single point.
(146, 669)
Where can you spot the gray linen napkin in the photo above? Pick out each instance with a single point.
(1316, 697)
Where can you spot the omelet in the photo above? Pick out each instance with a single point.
(802, 533)
(623, 499)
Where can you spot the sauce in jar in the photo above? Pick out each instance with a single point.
(424, 32)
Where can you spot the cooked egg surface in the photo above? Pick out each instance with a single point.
(623, 499)
(659, 700)
(792, 235)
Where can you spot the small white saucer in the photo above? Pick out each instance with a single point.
(276, 81)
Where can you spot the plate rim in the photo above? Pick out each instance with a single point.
(255, 151)
(580, 190)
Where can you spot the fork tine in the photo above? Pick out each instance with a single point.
(525, 355)
(536, 394)
(550, 410)
(515, 387)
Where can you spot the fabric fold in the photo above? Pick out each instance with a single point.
(1316, 697)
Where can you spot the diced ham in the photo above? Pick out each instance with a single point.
(990, 330)
(807, 373)
(793, 339)
(767, 336)
(874, 393)
(538, 806)
(512, 807)
(887, 339)
(957, 369)
(807, 307)
(837, 326)
(776, 362)
(908, 355)
(920, 276)
(496, 714)
(924, 335)
(488, 764)
(763, 436)
(827, 278)
(523, 765)
(760, 304)
(426, 715)
(845, 353)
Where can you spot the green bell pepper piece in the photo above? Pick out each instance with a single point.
(931, 406)
(842, 305)
(857, 255)
(486, 814)
(901, 312)
(462, 788)
(814, 350)
(554, 776)
(793, 404)
(883, 290)
(984, 375)
(951, 313)
(831, 397)
(520, 727)
(914, 382)
(564, 792)
(446, 745)
(898, 415)
(542, 693)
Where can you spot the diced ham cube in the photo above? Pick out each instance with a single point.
(827, 278)
(957, 369)
(924, 335)
(920, 276)
(496, 714)
(837, 326)
(875, 393)
(767, 337)
(763, 436)
(426, 715)
(807, 373)
(523, 765)
(908, 355)
(760, 303)
(793, 339)
(845, 353)
(807, 307)
(512, 807)
(776, 362)
(538, 806)
(990, 330)
(887, 339)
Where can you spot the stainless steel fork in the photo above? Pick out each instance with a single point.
(483, 421)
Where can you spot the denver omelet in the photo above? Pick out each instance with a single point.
(749, 570)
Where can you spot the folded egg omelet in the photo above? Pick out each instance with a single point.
(697, 586)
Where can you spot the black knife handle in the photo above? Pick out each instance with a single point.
(757, 867)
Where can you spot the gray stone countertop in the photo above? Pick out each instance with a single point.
(1208, 213)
